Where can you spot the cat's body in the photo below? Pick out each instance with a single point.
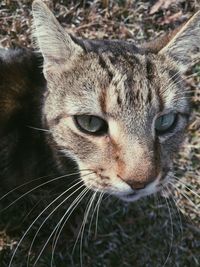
(24, 149)
(24, 152)
(114, 109)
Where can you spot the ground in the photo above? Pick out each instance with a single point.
(153, 232)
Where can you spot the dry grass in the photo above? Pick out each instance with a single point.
(140, 234)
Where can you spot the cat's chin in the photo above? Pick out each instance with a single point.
(135, 196)
(130, 197)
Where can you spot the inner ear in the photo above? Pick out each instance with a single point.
(182, 45)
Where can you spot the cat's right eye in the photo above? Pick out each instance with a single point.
(91, 124)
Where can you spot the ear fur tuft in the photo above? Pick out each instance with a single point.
(185, 44)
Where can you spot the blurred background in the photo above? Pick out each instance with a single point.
(153, 232)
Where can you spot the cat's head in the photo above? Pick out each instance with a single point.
(116, 109)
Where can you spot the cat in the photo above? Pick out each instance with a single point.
(108, 108)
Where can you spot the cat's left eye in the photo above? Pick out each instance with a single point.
(165, 123)
(91, 124)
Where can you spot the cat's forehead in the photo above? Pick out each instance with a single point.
(127, 78)
(122, 55)
(116, 79)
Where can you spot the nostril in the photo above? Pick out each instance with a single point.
(136, 185)
(116, 157)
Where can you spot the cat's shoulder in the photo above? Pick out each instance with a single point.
(21, 79)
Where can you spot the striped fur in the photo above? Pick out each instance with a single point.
(127, 86)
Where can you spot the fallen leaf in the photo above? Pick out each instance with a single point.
(172, 18)
(161, 3)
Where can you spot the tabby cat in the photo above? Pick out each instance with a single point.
(108, 107)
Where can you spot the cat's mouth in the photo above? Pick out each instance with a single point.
(122, 190)
(135, 195)
(131, 197)
(154, 187)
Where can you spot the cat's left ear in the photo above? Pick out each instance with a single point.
(54, 43)
(184, 44)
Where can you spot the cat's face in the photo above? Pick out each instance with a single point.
(116, 110)
(139, 119)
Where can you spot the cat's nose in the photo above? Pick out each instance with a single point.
(139, 182)
(136, 185)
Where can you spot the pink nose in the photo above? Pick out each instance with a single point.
(137, 184)
(140, 182)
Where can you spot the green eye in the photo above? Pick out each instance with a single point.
(165, 122)
(91, 124)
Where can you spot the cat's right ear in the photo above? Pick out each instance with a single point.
(53, 42)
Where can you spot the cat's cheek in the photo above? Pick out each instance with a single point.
(99, 182)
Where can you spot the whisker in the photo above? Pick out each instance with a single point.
(32, 209)
(39, 129)
(24, 235)
(172, 233)
(178, 211)
(188, 94)
(40, 178)
(190, 201)
(52, 233)
(97, 214)
(60, 227)
(191, 91)
(80, 230)
(18, 187)
(38, 230)
(84, 225)
(188, 188)
(52, 213)
(171, 80)
(180, 98)
(93, 213)
(173, 84)
(33, 189)
(176, 179)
